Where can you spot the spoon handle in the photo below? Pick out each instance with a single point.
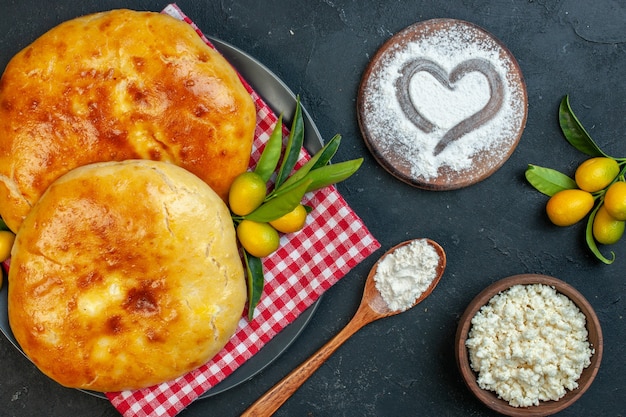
(273, 399)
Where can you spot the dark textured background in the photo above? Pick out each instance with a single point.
(404, 365)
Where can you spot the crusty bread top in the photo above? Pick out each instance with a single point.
(125, 275)
(119, 85)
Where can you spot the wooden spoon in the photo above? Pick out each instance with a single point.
(372, 307)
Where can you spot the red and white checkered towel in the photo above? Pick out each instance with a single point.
(306, 264)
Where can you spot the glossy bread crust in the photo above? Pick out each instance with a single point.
(119, 85)
(125, 275)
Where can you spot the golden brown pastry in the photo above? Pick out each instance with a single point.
(113, 86)
(124, 275)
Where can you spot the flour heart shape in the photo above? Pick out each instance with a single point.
(410, 68)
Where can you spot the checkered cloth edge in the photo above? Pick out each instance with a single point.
(308, 262)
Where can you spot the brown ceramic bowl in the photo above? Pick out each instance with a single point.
(545, 408)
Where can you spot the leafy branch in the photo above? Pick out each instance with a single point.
(289, 187)
(550, 181)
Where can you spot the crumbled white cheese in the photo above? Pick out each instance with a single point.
(529, 344)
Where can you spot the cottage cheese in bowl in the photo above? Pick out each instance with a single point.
(529, 345)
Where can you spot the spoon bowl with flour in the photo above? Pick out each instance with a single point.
(402, 278)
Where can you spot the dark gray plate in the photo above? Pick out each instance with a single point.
(280, 98)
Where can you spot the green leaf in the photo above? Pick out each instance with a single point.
(271, 153)
(280, 205)
(332, 174)
(324, 176)
(591, 242)
(574, 131)
(547, 180)
(294, 145)
(325, 154)
(3, 225)
(321, 158)
(256, 281)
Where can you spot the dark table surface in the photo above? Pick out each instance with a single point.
(403, 365)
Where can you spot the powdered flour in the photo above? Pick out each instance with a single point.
(404, 274)
(444, 103)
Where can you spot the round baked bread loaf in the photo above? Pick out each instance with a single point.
(125, 275)
(119, 85)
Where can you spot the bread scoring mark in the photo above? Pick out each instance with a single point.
(174, 188)
(215, 329)
(14, 189)
(165, 179)
(47, 286)
(166, 220)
